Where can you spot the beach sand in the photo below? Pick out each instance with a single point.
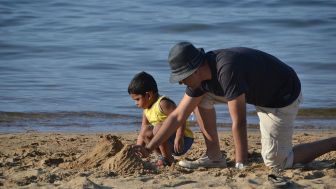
(106, 160)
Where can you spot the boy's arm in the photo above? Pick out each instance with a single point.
(167, 106)
(145, 129)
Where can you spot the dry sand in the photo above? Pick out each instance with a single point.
(67, 160)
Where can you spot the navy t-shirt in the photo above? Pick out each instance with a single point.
(265, 80)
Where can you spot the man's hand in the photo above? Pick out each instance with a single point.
(141, 151)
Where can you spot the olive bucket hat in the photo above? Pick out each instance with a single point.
(184, 59)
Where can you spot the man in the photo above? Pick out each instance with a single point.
(237, 76)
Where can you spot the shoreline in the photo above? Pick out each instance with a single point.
(64, 160)
(222, 127)
(11, 122)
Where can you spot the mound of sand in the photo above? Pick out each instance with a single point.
(110, 155)
(109, 146)
(126, 162)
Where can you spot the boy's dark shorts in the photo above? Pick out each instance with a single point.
(187, 145)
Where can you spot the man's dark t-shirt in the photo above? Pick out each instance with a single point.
(265, 80)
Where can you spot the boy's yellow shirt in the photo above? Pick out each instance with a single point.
(155, 116)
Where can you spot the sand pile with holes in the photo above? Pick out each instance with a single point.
(109, 146)
(126, 162)
(111, 155)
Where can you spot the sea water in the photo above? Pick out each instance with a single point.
(66, 65)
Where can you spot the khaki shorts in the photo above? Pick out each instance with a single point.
(209, 100)
(276, 127)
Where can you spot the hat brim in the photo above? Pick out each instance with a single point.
(175, 78)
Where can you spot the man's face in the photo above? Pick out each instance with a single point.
(191, 81)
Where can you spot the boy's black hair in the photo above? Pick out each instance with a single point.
(142, 83)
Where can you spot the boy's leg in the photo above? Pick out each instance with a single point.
(165, 149)
(148, 135)
(186, 145)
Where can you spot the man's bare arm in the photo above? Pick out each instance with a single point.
(174, 120)
(237, 109)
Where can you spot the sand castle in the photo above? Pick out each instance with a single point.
(110, 155)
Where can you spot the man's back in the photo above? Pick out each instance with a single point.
(265, 80)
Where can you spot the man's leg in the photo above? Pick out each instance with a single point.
(206, 118)
(276, 127)
(305, 153)
(276, 139)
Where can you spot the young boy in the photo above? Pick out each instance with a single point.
(143, 90)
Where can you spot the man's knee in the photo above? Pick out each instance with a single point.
(277, 154)
(282, 160)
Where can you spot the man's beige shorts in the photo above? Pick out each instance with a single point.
(276, 127)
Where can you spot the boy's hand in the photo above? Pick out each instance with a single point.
(141, 151)
(178, 144)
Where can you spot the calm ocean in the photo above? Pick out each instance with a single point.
(65, 65)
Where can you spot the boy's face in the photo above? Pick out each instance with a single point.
(141, 101)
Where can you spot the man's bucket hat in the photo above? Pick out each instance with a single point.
(184, 59)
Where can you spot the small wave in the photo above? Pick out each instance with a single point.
(17, 116)
(294, 23)
(17, 51)
(99, 66)
(322, 67)
(186, 27)
(10, 69)
(67, 121)
(310, 3)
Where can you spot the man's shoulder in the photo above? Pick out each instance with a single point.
(220, 57)
(226, 56)
(234, 51)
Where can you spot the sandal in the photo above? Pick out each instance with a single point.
(204, 161)
(163, 162)
(278, 181)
